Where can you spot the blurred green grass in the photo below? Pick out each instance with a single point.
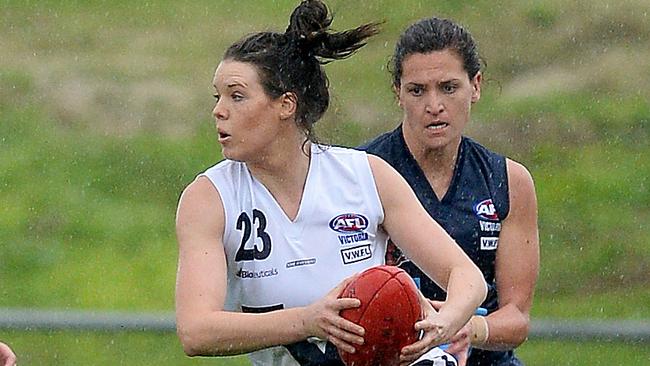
(105, 117)
(136, 348)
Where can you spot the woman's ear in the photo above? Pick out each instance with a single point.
(396, 92)
(476, 87)
(288, 105)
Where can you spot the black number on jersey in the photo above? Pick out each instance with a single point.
(244, 223)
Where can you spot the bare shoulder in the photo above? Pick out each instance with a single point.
(380, 168)
(387, 179)
(200, 195)
(521, 187)
(200, 190)
(376, 161)
(519, 177)
(200, 209)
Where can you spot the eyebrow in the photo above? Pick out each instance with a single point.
(236, 83)
(414, 83)
(232, 84)
(419, 83)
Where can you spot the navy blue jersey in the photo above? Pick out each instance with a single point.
(471, 211)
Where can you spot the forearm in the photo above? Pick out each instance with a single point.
(229, 333)
(466, 290)
(507, 329)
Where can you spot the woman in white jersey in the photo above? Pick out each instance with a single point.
(269, 236)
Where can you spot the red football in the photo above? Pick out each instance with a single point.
(389, 308)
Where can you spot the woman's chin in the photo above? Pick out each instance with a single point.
(232, 155)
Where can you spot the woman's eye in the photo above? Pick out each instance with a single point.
(449, 88)
(237, 97)
(417, 91)
(216, 97)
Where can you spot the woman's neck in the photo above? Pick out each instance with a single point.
(437, 164)
(282, 164)
(436, 160)
(284, 174)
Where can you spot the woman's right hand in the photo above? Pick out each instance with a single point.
(322, 319)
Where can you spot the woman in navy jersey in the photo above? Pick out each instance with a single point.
(269, 236)
(485, 201)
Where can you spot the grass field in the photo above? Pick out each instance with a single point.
(104, 118)
(108, 349)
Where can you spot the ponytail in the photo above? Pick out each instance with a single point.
(292, 61)
(308, 29)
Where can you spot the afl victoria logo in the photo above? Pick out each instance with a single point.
(349, 223)
(485, 210)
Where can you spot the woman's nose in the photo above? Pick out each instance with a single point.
(219, 112)
(434, 104)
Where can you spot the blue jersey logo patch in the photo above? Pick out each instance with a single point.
(485, 210)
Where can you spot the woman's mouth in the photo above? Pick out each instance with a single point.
(223, 136)
(437, 126)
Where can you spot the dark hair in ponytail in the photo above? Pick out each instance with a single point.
(292, 61)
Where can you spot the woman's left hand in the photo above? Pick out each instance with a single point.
(460, 343)
(437, 330)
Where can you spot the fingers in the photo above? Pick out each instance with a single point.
(343, 333)
(343, 339)
(460, 342)
(342, 323)
(346, 303)
(341, 345)
(458, 346)
(434, 332)
(428, 340)
(434, 335)
(413, 351)
(339, 323)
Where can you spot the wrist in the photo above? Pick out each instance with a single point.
(299, 324)
(480, 330)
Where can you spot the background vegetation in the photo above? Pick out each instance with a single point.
(105, 117)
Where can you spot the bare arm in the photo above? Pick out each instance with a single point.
(203, 326)
(429, 246)
(517, 264)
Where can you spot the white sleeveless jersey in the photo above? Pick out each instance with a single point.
(276, 263)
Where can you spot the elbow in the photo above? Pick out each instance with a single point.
(518, 333)
(517, 340)
(197, 340)
(522, 335)
(192, 345)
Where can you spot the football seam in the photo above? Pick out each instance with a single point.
(411, 304)
(374, 297)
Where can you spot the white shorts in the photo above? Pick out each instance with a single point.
(436, 357)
